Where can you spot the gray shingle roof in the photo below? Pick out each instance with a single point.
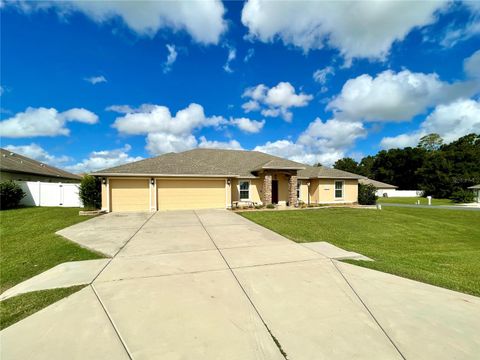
(13, 162)
(326, 173)
(377, 184)
(218, 162)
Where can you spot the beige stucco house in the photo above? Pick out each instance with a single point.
(212, 178)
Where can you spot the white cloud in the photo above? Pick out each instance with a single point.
(357, 29)
(103, 159)
(250, 53)
(167, 133)
(206, 144)
(323, 142)
(276, 101)
(232, 54)
(96, 79)
(44, 122)
(36, 152)
(321, 75)
(171, 58)
(471, 65)
(450, 121)
(394, 96)
(464, 30)
(203, 20)
(247, 125)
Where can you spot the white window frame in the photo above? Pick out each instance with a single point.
(239, 191)
(335, 189)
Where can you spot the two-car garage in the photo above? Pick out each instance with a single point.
(143, 194)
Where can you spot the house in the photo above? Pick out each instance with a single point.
(17, 167)
(476, 190)
(213, 178)
(383, 189)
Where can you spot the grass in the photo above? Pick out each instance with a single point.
(413, 200)
(29, 246)
(435, 246)
(19, 307)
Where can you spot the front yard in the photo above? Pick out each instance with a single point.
(29, 246)
(413, 201)
(440, 247)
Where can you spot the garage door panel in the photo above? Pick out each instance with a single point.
(130, 194)
(190, 194)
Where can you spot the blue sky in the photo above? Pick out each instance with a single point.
(89, 85)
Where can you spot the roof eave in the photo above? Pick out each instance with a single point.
(161, 175)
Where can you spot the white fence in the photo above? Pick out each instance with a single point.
(399, 193)
(50, 194)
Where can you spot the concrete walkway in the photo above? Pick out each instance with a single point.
(212, 285)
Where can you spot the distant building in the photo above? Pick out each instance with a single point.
(382, 188)
(14, 166)
(476, 190)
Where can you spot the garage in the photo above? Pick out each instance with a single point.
(129, 194)
(176, 194)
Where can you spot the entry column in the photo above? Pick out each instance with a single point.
(267, 189)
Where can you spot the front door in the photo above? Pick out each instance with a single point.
(275, 191)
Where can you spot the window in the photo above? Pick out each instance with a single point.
(244, 190)
(299, 183)
(338, 189)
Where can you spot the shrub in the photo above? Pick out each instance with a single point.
(270, 206)
(366, 194)
(10, 194)
(463, 196)
(91, 192)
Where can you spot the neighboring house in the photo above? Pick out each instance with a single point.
(212, 178)
(43, 185)
(476, 190)
(382, 188)
(21, 168)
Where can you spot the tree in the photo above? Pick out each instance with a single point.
(367, 194)
(10, 195)
(430, 142)
(91, 192)
(365, 166)
(317, 164)
(346, 164)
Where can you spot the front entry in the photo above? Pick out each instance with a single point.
(274, 191)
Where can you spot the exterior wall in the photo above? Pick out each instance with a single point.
(325, 193)
(105, 197)
(314, 190)
(31, 177)
(282, 188)
(304, 191)
(256, 188)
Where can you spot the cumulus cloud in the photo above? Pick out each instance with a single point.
(171, 58)
(95, 79)
(323, 142)
(103, 159)
(172, 133)
(275, 101)
(203, 20)
(392, 96)
(357, 29)
(471, 65)
(36, 152)
(44, 122)
(232, 54)
(451, 121)
(206, 144)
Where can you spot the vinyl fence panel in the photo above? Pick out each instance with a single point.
(50, 194)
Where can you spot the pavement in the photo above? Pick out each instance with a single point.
(210, 284)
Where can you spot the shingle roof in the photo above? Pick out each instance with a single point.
(217, 162)
(377, 184)
(13, 162)
(326, 173)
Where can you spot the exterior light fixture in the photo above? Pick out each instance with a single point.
(104, 181)
(152, 181)
(229, 181)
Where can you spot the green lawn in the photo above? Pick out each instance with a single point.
(19, 307)
(440, 247)
(413, 200)
(29, 246)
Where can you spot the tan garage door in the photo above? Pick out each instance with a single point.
(190, 194)
(130, 194)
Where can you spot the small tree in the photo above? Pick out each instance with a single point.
(10, 194)
(463, 196)
(367, 194)
(91, 192)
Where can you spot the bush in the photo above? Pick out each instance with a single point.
(270, 206)
(463, 196)
(10, 194)
(91, 192)
(366, 194)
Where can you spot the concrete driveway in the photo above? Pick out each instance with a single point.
(212, 285)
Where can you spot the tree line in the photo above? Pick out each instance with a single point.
(440, 170)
